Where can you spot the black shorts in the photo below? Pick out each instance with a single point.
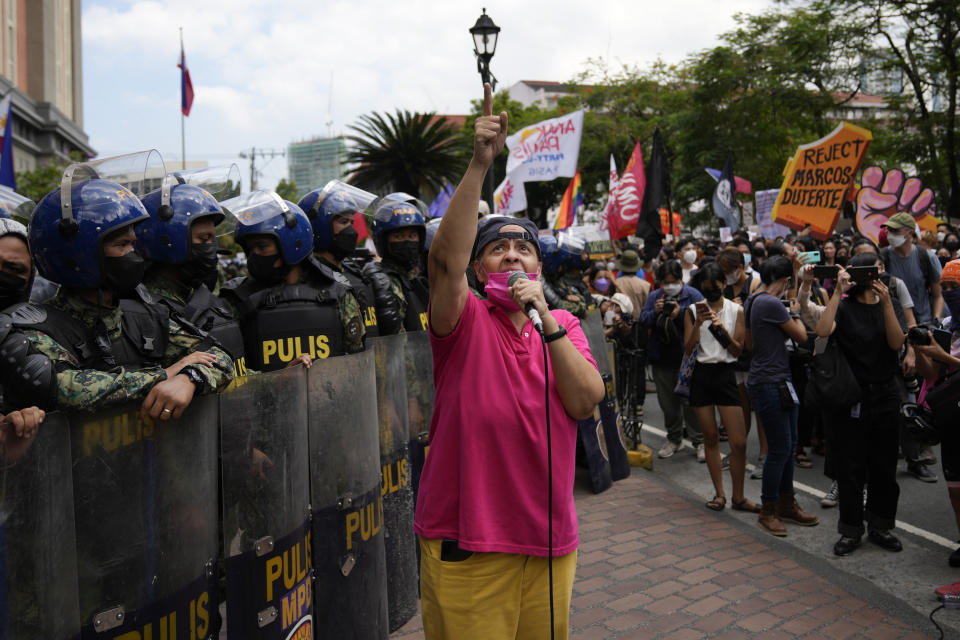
(714, 384)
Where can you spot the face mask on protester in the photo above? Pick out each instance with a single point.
(122, 274)
(690, 256)
(896, 240)
(940, 236)
(712, 295)
(746, 259)
(498, 291)
(952, 245)
(673, 289)
(951, 299)
(609, 316)
(732, 278)
(601, 284)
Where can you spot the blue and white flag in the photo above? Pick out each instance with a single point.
(7, 176)
(725, 206)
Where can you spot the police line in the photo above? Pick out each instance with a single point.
(294, 490)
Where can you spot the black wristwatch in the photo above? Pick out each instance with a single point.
(194, 376)
(562, 331)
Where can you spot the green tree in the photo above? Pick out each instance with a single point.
(45, 178)
(416, 153)
(287, 189)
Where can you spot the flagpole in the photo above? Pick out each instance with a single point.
(183, 144)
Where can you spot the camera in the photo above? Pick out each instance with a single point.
(918, 336)
(669, 304)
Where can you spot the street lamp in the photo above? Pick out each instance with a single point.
(485, 33)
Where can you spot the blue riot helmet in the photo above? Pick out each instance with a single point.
(322, 205)
(267, 214)
(393, 215)
(430, 231)
(551, 255)
(571, 249)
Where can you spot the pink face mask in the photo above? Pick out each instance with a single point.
(497, 290)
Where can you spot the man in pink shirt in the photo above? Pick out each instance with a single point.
(490, 509)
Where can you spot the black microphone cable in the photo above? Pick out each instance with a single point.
(546, 404)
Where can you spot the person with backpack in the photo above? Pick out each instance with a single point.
(918, 269)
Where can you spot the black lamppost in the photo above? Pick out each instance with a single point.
(485, 34)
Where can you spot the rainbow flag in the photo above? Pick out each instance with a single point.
(571, 203)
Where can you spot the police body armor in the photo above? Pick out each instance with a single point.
(364, 293)
(388, 306)
(142, 341)
(213, 317)
(282, 322)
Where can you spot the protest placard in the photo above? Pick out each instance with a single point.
(546, 150)
(817, 178)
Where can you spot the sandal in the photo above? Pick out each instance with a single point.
(801, 460)
(745, 505)
(717, 504)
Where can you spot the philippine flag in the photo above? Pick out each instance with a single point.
(186, 86)
(7, 176)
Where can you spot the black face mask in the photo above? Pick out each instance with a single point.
(262, 270)
(122, 274)
(841, 259)
(712, 294)
(343, 243)
(13, 289)
(200, 267)
(407, 253)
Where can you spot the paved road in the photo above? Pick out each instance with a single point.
(654, 563)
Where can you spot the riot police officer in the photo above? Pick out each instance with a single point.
(108, 340)
(559, 290)
(331, 212)
(180, 240)
(400, 292)
(291, 304)
(16, 265)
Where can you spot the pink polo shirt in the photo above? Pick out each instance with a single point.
(485, 478)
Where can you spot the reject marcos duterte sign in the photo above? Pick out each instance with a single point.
(817, 179)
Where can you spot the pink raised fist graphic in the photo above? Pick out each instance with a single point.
(883, 194)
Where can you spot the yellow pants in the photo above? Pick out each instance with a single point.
(493, 596)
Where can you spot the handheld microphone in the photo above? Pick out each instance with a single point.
(529, 308)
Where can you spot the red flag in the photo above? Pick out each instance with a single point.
(360, 224)
(633, 182)
(186, 86)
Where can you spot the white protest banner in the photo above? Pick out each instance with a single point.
(767, 227)
(725, 235)
(509, 197)
(546, 150)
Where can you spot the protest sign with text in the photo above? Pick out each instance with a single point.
(817, 179)
(546, 150)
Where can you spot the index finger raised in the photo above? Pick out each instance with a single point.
(487, 99)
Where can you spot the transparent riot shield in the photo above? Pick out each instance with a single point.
(145, 496)
(419, 370)
(38, 561)
(399, 540)
(348, 513)
(603, 354)
(266, 505)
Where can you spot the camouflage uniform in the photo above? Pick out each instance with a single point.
(562, 288)
(90, 389)
(391, 322)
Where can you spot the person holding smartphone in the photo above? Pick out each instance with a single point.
(769, 324)
(866, 435)
(715, 325)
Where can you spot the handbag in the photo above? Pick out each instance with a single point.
(944, 401)
(832, 383)
(685, 377)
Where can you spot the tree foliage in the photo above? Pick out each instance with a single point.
(416, 153)
(45, 178)
(287, 189)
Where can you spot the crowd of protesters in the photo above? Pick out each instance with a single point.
(731, 331)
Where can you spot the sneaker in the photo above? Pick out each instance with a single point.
(757, 473)
(725, 461)
(927, 456)
(832, 497)
(701, 453)
(921, 471)
(667, 450)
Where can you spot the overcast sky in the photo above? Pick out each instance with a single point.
(269, 73)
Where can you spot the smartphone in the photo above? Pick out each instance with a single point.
(785, 303)
(809, 257)
(822, 271)
(862, 275)
(703, 309)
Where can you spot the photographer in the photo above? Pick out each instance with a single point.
(933, 363)
(866, 329)
(716, 327)
(665, 353)
(771, 390)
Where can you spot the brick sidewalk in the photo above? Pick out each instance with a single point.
(653, 564)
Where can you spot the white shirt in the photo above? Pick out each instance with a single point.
(710, 350)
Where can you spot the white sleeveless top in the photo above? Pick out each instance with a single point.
(710, 349)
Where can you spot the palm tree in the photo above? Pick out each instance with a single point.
(411, 152)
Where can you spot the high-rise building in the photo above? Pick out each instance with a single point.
(40, 62)
(313, 163)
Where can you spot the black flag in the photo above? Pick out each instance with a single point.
(657, 191)
(725, 206)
